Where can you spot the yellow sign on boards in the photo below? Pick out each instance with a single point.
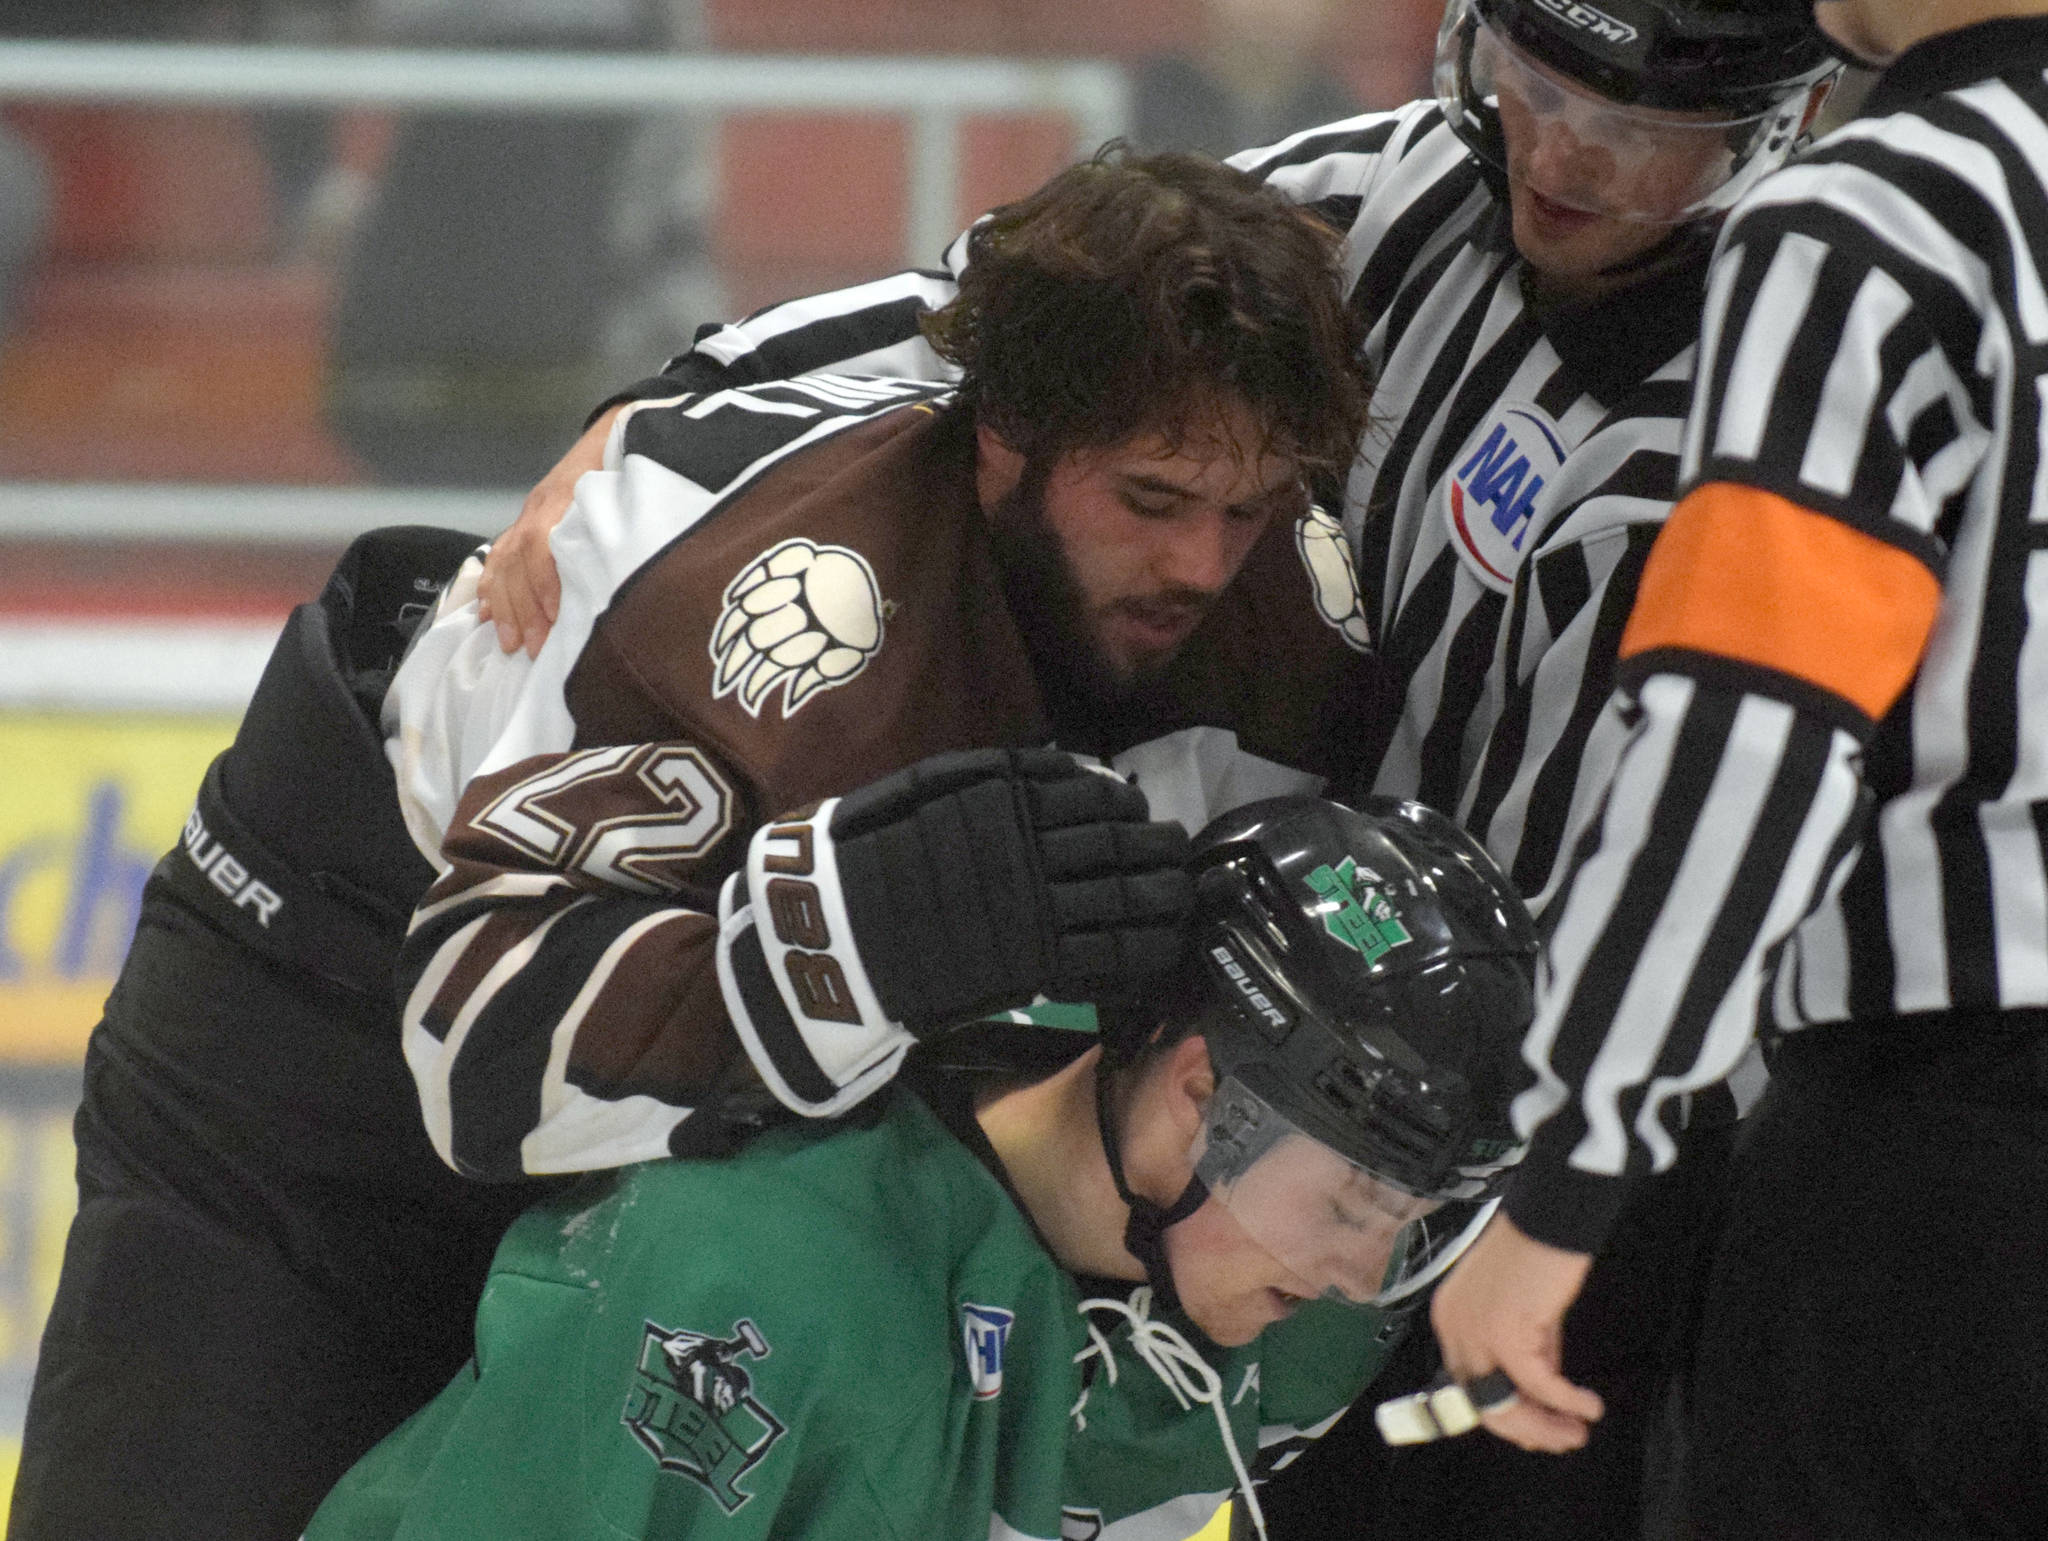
(87, 805)
(90, 803)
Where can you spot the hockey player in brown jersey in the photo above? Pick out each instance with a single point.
(713, 816)
(1528, 251)
(785, 592)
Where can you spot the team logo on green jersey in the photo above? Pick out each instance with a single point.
(693, 1407)
(1358, 914)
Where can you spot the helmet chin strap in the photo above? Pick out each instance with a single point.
(1145, 1230)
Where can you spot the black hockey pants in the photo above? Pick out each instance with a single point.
(1873, 1358)
(1625, 1337)
(270, 1267)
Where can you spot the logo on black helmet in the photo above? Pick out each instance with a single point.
(1590, 19)
(1356, 913)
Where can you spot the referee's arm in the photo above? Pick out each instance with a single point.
(1766, 641)
(1783, 611)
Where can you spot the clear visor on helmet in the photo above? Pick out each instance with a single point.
(1586, 152)
(1344, 1230)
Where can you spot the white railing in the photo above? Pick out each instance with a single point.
(173, 511)
(932, 94)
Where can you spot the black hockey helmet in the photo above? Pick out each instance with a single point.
(1372, 968)
(1749, 73)
(1368, 978)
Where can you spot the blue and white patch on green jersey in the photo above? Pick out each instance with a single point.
(986, 1330)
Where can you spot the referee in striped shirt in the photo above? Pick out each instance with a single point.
(1529, 250)
(1828, 826)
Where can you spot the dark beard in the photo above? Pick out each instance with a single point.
(1046, 604)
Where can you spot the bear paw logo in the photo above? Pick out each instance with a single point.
(800, 616)
(1327, 556)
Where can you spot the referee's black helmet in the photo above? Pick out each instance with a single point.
(1684, 55)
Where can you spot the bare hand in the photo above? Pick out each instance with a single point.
(520, 589)
(1503, 1308)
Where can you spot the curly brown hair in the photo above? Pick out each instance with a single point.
(1130, 290)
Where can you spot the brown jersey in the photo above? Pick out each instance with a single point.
(770, 596)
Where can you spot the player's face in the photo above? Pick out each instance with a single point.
(1586, 203)
(1124, 547)
(1230, 1286)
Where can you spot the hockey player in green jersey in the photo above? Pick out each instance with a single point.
(1068, 1301)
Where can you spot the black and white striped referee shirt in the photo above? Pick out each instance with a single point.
(1832, 801)
(1519, 462)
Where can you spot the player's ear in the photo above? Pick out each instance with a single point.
(998, 467)
(1191, 1082)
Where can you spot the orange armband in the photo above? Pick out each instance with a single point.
(1745, 574)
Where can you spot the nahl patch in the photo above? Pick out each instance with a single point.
(693, 1407)
(801, 618)
(1356, 912)
(1490, 496)
(987, 1332)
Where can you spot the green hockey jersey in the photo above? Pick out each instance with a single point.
(848, 1331)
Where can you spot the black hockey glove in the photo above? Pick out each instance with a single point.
(969, 883)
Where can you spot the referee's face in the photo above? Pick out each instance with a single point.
(1133, 541)
(1569, 191)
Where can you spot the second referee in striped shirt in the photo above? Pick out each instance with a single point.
(1830, 819)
